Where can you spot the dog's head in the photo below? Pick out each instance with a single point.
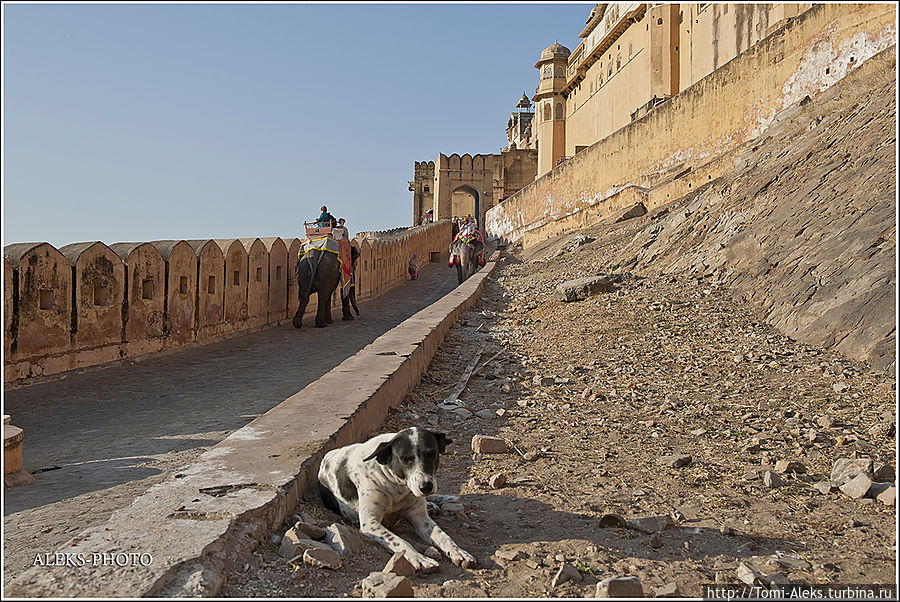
(412, 455)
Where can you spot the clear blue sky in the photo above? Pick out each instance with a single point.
(137, 122)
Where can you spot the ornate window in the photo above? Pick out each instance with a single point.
(560, 113)
(547, 111)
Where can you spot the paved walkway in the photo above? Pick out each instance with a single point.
(111, 426)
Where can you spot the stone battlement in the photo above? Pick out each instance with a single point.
(90, 303)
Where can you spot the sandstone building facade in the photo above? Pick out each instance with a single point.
(634, 57)
(458, 186)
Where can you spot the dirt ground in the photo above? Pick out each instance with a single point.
(602, 389)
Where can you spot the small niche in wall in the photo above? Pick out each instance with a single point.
(277, 272)
(45, 299)
(237, 278)
(101, 296)
(259, 274)
(183, 285)
(147, 288)
(211, 285)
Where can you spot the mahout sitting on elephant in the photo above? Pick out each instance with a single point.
(467, 252)
(320, 270)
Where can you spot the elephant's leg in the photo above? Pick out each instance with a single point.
(345, 306)
(330, 301)
(304, 283)
(352, 296)
(323, 311)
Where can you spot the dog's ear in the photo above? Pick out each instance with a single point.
(442, 440)
(382, 453)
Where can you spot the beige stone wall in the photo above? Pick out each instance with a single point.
(44, 333)
(715, 34)
(716, 115)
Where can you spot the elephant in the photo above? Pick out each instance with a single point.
(319, 271)
(464, 255)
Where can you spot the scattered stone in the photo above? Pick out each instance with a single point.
(532, 455)
(839, 387)
(846, 468)
(857, 487)
(825, 487)
(566, 572)
(497, 480)
(275, 538)
(726, 530)
(883, 430)
(676, 461)
(885, 474)
(748, 575)
(586, 394)
(582, 288)
(292, 544)
(452, 507)
(544, 381)
(698, 432)
(399, 565)
(876, 489)
(322, 558)
(772, 480)
(888, 497)
(510, 555)
(462, 413)
(790, 562)
(785, 466)
(669, 590)
(752, 475)
(341, 539)
(656, 541)
(651, 524)
(311, 531)
(432, 552)
(485, 414)
(620, 587)
(386, 585)
(826, 422)
(612, 520)
(483, 444)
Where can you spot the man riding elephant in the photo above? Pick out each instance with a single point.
(467, 251)
(320, 270)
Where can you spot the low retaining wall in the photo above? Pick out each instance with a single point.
(195, 523)
(718, 114)
(88, 303)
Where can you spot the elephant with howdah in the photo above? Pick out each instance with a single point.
(464, 254)
(319, 271)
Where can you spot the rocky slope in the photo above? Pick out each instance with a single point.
(805, 225)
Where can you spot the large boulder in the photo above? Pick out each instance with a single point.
(582, 288)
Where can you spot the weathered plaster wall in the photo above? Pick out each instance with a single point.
(714, 116)
(88, 303)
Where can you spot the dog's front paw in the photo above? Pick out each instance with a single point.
(462, 558)
(422, 563)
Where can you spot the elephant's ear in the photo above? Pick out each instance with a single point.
(382, 453)
(442, 441)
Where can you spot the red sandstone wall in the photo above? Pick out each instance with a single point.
(190, 296)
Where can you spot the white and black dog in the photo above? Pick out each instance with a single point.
(385, 478)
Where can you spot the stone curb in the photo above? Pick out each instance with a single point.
(195, 524)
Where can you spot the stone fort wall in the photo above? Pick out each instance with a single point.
(690, 137)
(90, 303)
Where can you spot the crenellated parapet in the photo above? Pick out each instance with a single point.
(90, 303)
